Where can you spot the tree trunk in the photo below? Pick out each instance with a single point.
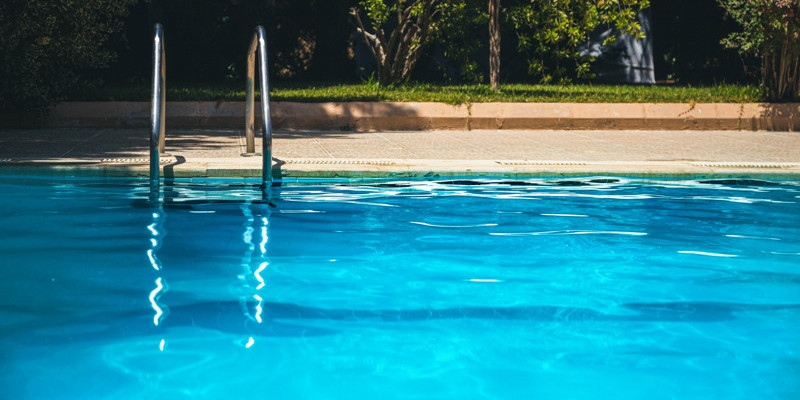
(494, 44)
(782, 72)
(396, 46)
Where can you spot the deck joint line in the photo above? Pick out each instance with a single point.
(746, 165)
(541, 163)
(339, 162)
(135, 160)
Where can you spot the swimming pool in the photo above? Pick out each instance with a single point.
(589, 288)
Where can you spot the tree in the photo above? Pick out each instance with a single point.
(494, 44)
(46, 46)
(771, 31)
(396, 32)
(550, 33)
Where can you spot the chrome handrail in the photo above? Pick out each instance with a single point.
(158, 108)
(259, 43)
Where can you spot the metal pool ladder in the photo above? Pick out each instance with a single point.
(259, 44)
(157, 112)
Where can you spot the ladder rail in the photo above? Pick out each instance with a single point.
(158, 108)
(258, 46)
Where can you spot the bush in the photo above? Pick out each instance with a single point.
(395, 32)
(46, 48)
(550, 33)
(771, 30)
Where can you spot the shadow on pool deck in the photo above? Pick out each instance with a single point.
(419, 153)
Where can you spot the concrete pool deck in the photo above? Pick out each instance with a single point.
(377, 154)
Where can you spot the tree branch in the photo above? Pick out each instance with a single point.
(369, 38)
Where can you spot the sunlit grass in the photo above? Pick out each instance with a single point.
(453, 94)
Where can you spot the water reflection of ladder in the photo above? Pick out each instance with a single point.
(158, 108)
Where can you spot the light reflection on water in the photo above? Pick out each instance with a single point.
(158, 232)
(582, 288)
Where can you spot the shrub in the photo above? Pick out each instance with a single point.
(551, 32)
(770, 30)
(46, 47)
(395, 32)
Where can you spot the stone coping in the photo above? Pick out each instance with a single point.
(372, 116)
(290, 170)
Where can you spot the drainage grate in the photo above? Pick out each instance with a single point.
(135, 160)
(744, 165)
(340, 162)
(540, 163)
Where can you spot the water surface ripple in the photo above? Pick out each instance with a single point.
(590, 288)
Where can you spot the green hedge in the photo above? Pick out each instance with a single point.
(47, 46)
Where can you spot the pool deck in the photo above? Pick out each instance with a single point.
(399, 154)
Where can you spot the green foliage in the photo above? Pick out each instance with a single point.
(395, 33)
(765, 23)
(770, 30)
(46, 46)
(460, 21)
(550, 32)
(378, 11)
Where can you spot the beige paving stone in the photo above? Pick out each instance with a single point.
(192, 153)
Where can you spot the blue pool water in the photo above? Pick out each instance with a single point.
(591, 288)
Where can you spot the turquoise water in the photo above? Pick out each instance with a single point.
(591, 288)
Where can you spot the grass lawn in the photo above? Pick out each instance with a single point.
(453, 94)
